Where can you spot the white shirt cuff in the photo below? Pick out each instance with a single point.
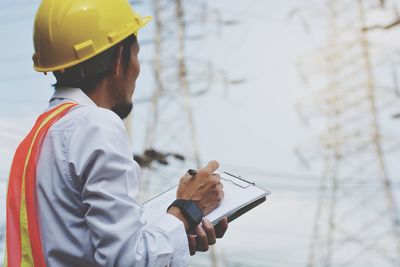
(177, 233)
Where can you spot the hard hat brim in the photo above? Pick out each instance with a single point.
(145, 21)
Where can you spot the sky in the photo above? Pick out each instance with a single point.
(252, 128)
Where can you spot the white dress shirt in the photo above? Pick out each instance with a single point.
(87, 183)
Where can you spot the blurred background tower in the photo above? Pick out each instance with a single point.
(181, 75)
(357, 218)
(170, 145)
(170, 135)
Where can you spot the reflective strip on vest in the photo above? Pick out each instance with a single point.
(23, 240)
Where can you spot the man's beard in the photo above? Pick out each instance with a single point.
(122, 109)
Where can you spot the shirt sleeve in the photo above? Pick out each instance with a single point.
(101, 160)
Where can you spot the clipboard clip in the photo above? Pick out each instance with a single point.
(239, 181)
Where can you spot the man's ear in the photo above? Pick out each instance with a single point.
(117, 65)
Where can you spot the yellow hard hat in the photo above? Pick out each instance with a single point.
(69, 32)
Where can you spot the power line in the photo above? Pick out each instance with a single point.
(290, 176)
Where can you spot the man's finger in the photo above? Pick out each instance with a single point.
(216, 180)
(209, 169)
(221, 228)
(201, 239)
(192, 244)
(209, 229)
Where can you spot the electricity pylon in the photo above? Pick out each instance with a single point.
(181, 75)
(357, 218)
(171, 124)
(170, 121)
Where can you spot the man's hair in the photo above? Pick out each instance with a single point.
(88, 74)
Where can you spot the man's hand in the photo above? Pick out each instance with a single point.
(206, 234)
(204, 188)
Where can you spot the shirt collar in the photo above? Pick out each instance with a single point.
(73, 94)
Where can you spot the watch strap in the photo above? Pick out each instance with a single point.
(190, 210)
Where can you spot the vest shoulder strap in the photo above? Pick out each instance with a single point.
(23, 240)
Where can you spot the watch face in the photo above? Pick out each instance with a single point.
(194, 211)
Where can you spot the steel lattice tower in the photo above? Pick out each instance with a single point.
(178, 80)
(357, 218)
(170, 122)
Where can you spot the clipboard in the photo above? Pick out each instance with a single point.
(240, 197)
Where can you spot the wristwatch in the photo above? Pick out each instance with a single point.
(190, 210)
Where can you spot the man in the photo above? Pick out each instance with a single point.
(73, 183)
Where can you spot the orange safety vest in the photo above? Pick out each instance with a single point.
(23, 241)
